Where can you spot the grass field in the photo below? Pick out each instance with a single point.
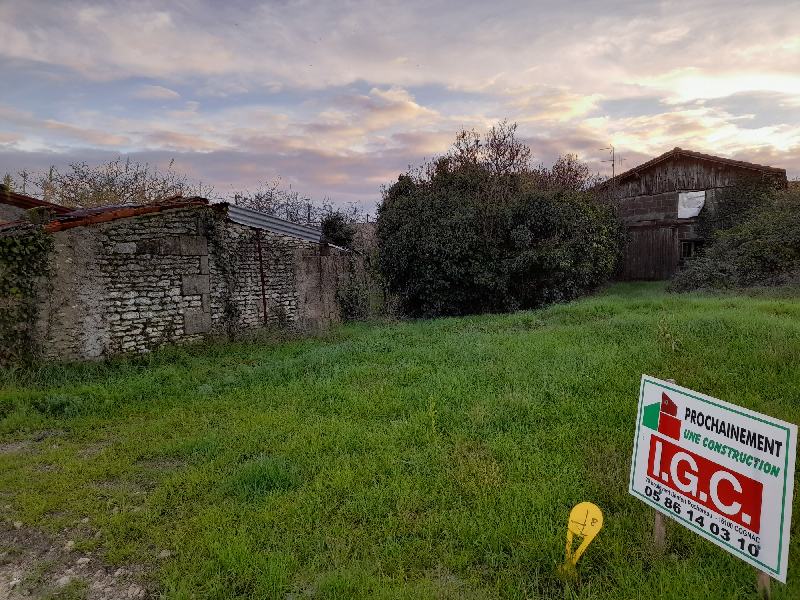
(434, 459)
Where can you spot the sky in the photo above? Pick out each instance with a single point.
(337, 98)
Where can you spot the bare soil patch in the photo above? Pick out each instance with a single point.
(34, 564)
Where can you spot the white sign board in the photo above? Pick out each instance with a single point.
(723, 471)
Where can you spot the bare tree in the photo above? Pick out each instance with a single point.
(500, 152)
(272, 199)
(285, 203)
(119, 181)
(567, 173)
(504, 153)
(467, 150)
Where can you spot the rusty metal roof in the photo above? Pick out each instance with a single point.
(237, 214)
(103, 214)
(260, 220)
(28, 202)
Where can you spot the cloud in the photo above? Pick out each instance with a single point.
(173, 140)
(8, 138)
(156, 92)
(338, 98)
(27, 123)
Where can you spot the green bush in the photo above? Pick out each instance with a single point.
(730, 206)
(761, 250)
(480, 230)
(337, 230)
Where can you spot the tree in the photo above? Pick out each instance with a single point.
(479, 229)
(337, 229)
(117, 181)
(567, 173)
(285, 203)
(272, 199)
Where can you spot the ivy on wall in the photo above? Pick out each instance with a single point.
(24, 261)
(226, 252)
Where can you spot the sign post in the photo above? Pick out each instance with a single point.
(660, 524)
(723, 471)
(762, 585)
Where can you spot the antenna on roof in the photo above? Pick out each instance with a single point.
(613, 162)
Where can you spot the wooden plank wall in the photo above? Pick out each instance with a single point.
(683, 173)
(652, 254)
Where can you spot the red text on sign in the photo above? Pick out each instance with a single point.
(726, 492)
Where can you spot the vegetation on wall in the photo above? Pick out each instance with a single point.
(24, 261)
(761, 249)
(482, 229)
(731, 206)
(353, 297)
(226, 251)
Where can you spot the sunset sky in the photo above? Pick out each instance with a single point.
(337, 98)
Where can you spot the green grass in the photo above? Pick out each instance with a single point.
(434, 459)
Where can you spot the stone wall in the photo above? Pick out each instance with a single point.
(294, 279)
(10, 213)
(127, 285)
(133, 284)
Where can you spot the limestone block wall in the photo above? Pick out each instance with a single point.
(134, 284)
(125, 286)
(244, 280)
(295, 280)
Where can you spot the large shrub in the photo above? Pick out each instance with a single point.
(731, 206)
(763, 249)
(337, 230)
(481, 230)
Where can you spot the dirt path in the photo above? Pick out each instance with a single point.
(36, 565)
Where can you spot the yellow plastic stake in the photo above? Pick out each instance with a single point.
(585, 521)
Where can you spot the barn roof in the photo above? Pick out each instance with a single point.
(680, 152)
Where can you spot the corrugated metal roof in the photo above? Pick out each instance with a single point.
(259, 220)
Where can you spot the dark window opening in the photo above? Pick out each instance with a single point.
(690, 249)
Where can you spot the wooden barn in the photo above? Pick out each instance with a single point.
(660, 200)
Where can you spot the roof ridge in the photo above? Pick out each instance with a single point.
(678, 151)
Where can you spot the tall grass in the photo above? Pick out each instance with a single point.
(430, 459)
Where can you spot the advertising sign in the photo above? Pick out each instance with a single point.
(723, 471)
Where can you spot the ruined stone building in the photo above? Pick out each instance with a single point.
(132, 278)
